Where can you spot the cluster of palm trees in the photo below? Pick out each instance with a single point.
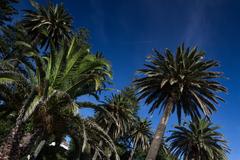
(46, 68)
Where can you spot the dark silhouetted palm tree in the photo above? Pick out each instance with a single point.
(140, 136)
(48, 25)
(121, 107)
(199, 140)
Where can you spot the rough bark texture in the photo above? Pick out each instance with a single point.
(9, 149)
(28, 142)
(158, 137)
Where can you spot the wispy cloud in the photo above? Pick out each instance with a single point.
(196, 23)
(199, 28)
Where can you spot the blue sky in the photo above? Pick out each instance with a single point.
(127, 30)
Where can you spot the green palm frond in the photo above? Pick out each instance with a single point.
(93, 134)
(200, 138)
(14, 85)
(77, 71)
(141, 134)
(98, 108)
(58, 79)
(186, 77)
(50, 24)
(122, 108)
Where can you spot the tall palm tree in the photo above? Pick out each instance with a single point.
(199, 140)
(50, 24)
(182, 82)
(121, 107)
(69, 73)
(140, 136)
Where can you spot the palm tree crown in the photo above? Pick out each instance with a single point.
(49, 24)
(184, 78)
(199, 141)
(141, 134)
(121, 108)
(57, 81)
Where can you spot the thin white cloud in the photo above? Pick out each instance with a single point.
(196, 23)
(198, 29)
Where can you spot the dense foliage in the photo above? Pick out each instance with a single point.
(198, 140)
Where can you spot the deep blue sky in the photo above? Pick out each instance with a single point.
(127, 30)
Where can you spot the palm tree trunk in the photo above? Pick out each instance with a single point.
(158, 137)
(34, 140)
(9, 150)
(100, 144)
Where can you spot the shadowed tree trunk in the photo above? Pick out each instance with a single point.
(9, 150)
(29, 141)
(158, 137)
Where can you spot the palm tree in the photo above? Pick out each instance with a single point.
(199, 140)
(181, 83)
(121, 109)
(63, 75)
(165, 154)
(12, 96)
(50, 24)
(140, 136)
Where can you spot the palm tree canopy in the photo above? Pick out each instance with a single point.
(77, 71)
(141, 134)
(121, 108)
(72, 69)
(61, 77)
(185, 78)
(198, 139)
(50, 24)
